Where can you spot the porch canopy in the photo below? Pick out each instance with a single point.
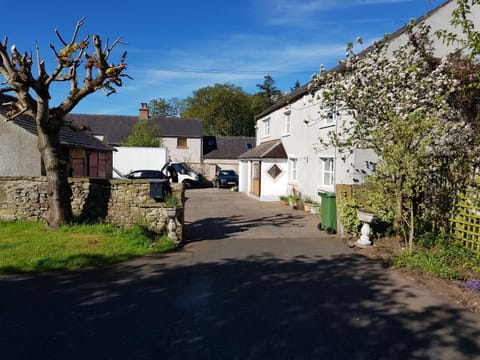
(268, 150)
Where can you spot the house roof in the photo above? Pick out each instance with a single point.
(307, 88)
(70, 134)
(117, 128)
(268, 150)
(226, 147)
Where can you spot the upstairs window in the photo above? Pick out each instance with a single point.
(266, 127)
(287, 123)
(330, 115)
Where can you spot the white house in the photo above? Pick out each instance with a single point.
(183, 137)
(288, 157)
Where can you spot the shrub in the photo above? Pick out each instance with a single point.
(348, 212)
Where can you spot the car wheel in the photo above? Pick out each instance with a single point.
(187, 184)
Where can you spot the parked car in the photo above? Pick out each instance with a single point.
(226, 178)
(182, 174)
(146, 174)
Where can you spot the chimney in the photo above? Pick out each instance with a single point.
(143, 111)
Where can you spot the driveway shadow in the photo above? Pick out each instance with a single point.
(218, 228)
(258, 307)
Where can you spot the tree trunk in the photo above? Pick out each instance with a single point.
(397, 221)
(58, 188)
(411, 232)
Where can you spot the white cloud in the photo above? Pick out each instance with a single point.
(238, 59)
(300, 13)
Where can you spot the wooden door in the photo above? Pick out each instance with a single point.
(256, 178)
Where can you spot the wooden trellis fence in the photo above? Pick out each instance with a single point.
(466, 220)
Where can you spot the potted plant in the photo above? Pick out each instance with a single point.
(294, 200)
(314, 207)
(172, 203)
(307, 203)
(283, 200)
(171, 200)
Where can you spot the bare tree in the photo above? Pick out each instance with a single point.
(33, 99)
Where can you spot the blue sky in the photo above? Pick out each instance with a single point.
(177, 47)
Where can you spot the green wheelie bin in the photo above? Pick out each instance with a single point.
(329, 211)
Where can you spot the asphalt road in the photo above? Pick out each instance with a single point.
(254, 281)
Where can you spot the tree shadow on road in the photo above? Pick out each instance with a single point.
(217, 228)
(258, 307)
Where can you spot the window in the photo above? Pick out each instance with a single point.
(266, 127)
(287, 122)
(256, 170)
(181, 142)
(274, 171)
(293, 169)
(249, 146)
(211, 142)
(331, 115)
(327, 172)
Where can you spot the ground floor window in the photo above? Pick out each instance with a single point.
(293, 167)
(327, 172)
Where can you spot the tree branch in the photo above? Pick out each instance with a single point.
(7, 89)
(13, 117)
(77, 28)
(108, 49)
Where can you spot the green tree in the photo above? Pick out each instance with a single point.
(224, 108)
(160, 106)
(398, 106)
(296, 86)
(144, 134)
(94, 71)
(170, 107)
(269, 90)
(258, 103)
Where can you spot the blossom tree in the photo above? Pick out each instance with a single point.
(396, 103)
(32, 97)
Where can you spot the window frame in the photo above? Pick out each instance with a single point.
(293, 169)
(266, 127)
(287, 122)
(179, 145)
(324, 171)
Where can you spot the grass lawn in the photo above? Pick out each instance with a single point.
(32, 248)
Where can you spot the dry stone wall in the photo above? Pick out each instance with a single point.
(123, 203)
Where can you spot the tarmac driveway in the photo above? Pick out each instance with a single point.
(255, 281)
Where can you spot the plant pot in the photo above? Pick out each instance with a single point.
(293, 205)
(365, 216)
(171, 212)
